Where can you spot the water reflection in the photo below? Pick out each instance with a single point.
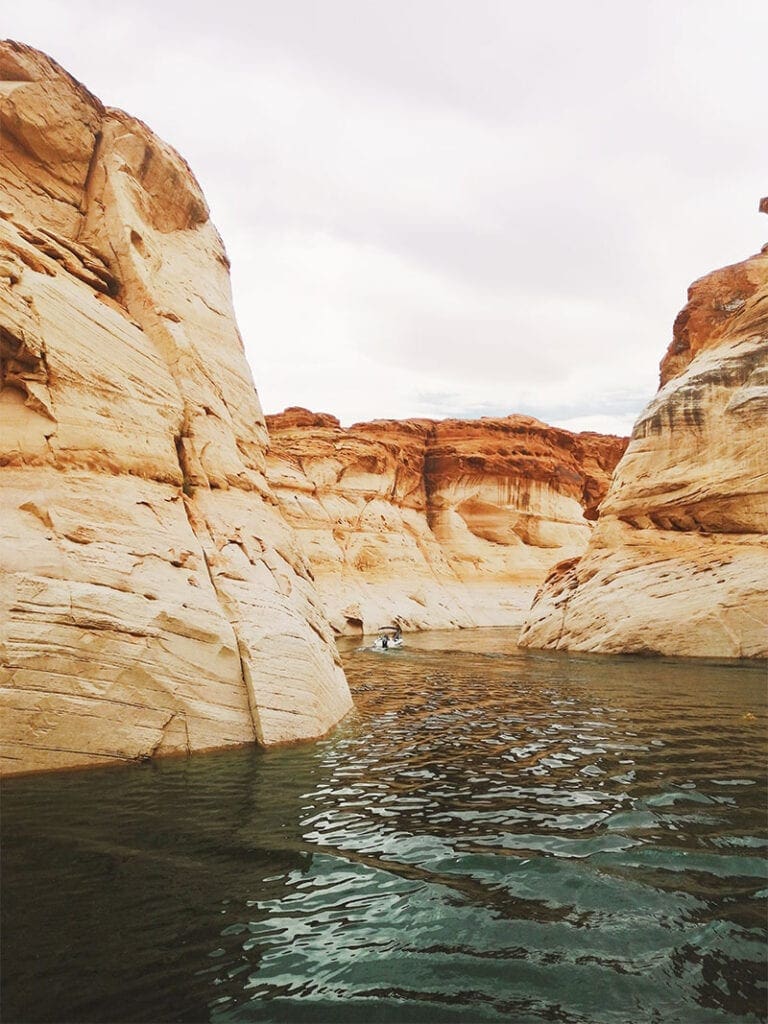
(116, 884)
(494, 835)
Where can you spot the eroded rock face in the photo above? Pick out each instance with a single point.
(437, 524)
(152, 599)
(678, 562)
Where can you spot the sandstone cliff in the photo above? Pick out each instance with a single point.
(153, 599)
(437, 524)
(678, 562)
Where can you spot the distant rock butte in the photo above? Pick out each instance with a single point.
(678, 562)
(152, 599)
(435, 523)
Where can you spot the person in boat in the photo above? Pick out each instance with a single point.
(389, 636)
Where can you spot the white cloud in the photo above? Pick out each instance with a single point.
(448, 207)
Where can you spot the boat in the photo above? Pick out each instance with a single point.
(389, 639)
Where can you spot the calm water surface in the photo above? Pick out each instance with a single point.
(495, 835)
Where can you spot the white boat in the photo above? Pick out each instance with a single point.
(389, 639)
(387, 643)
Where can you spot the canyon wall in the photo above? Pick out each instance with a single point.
(434, 523)
(678, 562)
(152, 597)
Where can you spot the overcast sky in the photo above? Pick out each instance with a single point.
(449, 207)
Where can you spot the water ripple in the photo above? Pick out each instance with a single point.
(494, 835)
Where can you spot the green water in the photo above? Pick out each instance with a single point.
(494, 835)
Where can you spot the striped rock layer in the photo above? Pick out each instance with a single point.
(678, 562)
(152, 597)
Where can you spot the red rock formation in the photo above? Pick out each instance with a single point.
(678, 563)
(436, 523)
(719, 306)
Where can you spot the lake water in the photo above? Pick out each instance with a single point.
(494, 835)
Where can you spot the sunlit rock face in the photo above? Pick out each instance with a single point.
(153, 599)
(436, 524)
(678, 562)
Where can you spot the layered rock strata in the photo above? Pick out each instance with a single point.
(152, 598)
(436, 524)
(678, 563)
